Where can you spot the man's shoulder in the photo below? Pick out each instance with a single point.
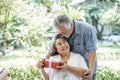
(83, 25)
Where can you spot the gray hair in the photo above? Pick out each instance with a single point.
(62, 20)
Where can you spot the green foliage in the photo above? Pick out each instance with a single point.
(63, 2)
(104, 13)
(29, 23)
(5, 6)
(116, 30)
(111, 49)
(110, 55)
(34, 52)
(26, 22)
(5, 9)
(38, 1)
(105, 44)
(74, 13)
(105, 73)
(27, 73)
(32, 73)
(111, 17)
(78, 15)
(47, 3)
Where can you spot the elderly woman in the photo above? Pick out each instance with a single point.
(73, 67)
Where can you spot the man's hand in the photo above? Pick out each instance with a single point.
(88, 74)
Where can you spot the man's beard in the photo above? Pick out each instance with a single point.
(67, 36)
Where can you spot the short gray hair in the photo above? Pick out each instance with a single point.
(62, 19)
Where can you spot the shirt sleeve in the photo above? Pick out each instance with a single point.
(90, 40)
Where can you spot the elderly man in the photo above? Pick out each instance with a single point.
(82, 39)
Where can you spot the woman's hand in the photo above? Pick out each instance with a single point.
(63, 66)
(40, 64)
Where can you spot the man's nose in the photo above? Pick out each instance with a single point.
(63, 34)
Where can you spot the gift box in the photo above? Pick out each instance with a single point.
(51, 63)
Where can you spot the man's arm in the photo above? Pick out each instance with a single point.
(91, 47)
(91, 59)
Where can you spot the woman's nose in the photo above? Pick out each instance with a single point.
(63, 44)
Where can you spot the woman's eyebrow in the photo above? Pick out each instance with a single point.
(60, 41)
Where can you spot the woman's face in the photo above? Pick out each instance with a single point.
(62, 46)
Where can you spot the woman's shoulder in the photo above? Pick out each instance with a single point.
(75, 54)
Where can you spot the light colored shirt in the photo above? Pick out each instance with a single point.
(75, 60)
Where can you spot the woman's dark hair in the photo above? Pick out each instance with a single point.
(54, 51)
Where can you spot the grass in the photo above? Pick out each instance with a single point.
(104, 44)
(106, 73)
(19, 58)
(108, 50)
(28, 73)
(21, 65)
(108, 53)
(8, 57)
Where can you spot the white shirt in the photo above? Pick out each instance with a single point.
(75, 60)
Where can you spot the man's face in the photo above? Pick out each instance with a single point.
(62, 30)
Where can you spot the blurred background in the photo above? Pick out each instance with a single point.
(25, 31)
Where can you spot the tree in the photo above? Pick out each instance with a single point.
(95, 12)
(5, 10)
